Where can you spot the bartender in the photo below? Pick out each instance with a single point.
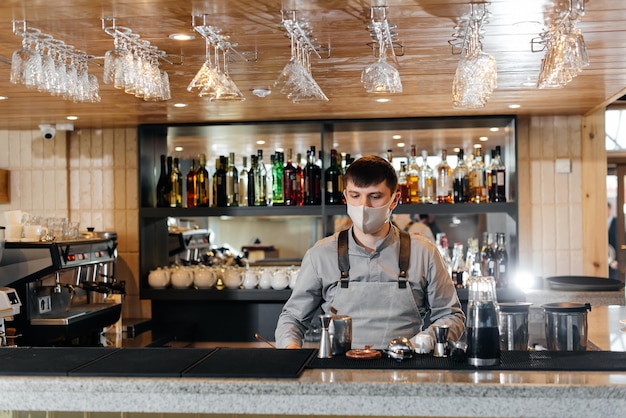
(358, 273)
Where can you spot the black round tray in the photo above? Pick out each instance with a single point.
(584, 283)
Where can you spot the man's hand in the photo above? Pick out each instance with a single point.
(293, 347)
(423, 343)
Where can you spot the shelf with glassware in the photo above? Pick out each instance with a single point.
(158, 140)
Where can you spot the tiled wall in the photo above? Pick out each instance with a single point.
(89, 176)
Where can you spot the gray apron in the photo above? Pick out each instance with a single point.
(379, 311)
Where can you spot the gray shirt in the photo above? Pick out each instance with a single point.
(317, 281)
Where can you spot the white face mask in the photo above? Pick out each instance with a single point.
(368, 219)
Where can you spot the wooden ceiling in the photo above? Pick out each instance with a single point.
(427, 66)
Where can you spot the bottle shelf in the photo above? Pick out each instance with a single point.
(215, 294)
(326, 210)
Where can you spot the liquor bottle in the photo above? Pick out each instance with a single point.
(191, 186)
(499, 177)
(243, 183)
(334, 181)
(346, 163)
(478, 186)
(390, 156)
(488, 255)
(278, 185)
(502, 261)
(312, 180)
(460, 184)
(163, 186)
(459, 276)
(490, 172)
(426, 182)
(232, 181)
(269, 182)
(260, 181)
(413, 171)
(444, 180)
(176, 181)
(203, 184)
(472, 260)
(403, 186)
(289, 181)
(252, 175)
(299, 185)
(219, 182)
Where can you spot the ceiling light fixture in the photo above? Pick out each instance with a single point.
(182, 36)
(3, 97)
(514, 106)
(400, 145)
(261, 92)
(178, 148)
(180, 105)
(494, 129)
(71, 117)
(260, 142)
(396, 137)
(483, 138)
(383, 100)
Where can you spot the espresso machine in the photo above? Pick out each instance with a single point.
(64, 288)
(187, 247)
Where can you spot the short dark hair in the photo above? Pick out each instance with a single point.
(370, 170)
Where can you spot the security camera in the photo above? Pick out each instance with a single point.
(47, 131)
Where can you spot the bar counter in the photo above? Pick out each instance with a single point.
(415, 393)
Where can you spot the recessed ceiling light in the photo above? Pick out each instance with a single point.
(182, 36)
(514, 106)
(260, 142)
(261, 92)
(383, 100)
(396, 136)
(179, 149)
(71, 117)
(483, 138)
(180, 104)
(3, 97)
(477, 146)
(400, 145)
(494, 129)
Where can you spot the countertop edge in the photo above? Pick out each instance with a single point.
(373, 392)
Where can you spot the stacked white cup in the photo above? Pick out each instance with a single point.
(15, 224)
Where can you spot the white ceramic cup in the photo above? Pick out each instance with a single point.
(13, 232)
(34, 232)
(265, 281)
(14, 216)
(204, 277)
(159, 278)
(232, 278)
(250, 279)
(280, 279)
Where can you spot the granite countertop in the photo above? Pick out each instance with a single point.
(334, 392)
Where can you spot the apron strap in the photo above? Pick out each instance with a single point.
(342, 257)
(403, 262)
(344, 261)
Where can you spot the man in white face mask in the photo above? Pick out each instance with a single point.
(384, 279)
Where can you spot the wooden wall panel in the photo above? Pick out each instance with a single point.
(562, 220)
